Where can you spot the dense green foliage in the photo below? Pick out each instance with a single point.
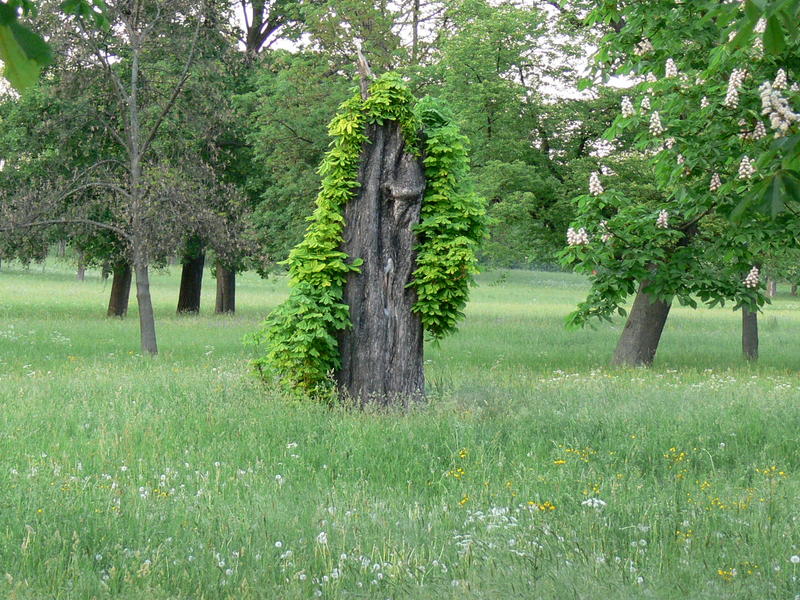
(299, 336)
(697, 115)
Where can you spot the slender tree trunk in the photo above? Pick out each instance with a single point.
(749, 334)
(120, 290)
(639, 340)
(81, 274)
(794, 289)
(191, 284)
(147, 320)
(382, 353)
(415, 32)
(772, 287)
(62, 248)
(105, 271)
(226, 290)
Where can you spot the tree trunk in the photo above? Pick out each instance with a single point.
(226, 290)
(794, 289)
(639, 340)
(749, 334)
(120, 290)
(772, 288)
(147, 320)
(191, 283)
(382, 353)
(81, 275)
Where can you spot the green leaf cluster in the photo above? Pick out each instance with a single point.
(299, 337)
(452, 224)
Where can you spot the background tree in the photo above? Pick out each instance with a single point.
(700, 124)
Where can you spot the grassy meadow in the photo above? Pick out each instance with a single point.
(534, 471)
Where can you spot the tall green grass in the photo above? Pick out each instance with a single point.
(183, 477)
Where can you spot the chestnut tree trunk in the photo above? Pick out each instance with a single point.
(382, 355)
(226, 290)
(191, 283)
(749, 334)
(639, 340)
(120, 290)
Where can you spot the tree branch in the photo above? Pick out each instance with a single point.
(76, 221)
(175, 92)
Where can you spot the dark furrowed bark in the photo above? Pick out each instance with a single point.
(120, 290)
(191, 284)
(226, 290)
(749, 334)
(382, 355)
(639, 340)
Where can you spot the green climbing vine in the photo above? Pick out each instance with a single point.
(299, 335)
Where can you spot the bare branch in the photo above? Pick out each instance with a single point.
(70, 221)
(175, 92)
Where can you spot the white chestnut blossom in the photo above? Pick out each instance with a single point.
(655, 124)
(761, 25)
(577, 238)
(627, 107)
(780, 80)
(781, 116)
(662, 222)
(643, 47)
(716, 183)
(607, 171)
(595, 187)
(759, 132)
(605, 234)
(704, 102)
(669, 143)
(735, 82)
(651, 78)
(746, 168)
(681, 159)
(752, 279)
(671, 69)
(646, 103)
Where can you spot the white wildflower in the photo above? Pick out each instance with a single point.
(795, 559)
(593, 503)
(322, 538)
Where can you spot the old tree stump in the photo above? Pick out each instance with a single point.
(388, 255)
(381, 355)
